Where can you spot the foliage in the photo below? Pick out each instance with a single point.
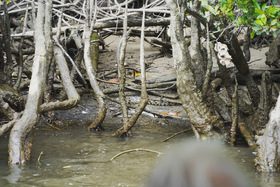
(260, 16)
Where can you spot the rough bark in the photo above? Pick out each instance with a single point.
(19, 137)
(265, 102)
(273, 55)
(209, 65)
(101, 113)
(234, 113)
(5, 29)
(241, 64)
(195, 48)
(94, 49)
(73, 96)
(246, 45)
(11, 101)
(20, 54)
(123, 131)
(188, 91)
(121, 69)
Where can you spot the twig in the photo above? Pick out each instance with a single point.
(173, 135)
(134, 150)
(39, 157)
(252, 61)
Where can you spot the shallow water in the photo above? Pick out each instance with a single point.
(76, 158)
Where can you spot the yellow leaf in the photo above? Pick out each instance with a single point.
(137, 73)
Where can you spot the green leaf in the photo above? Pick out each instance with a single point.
(223, 1)
(263, 6)
(256, 28)
(274, 22)
(274, 2)
(270, 10)
(263, 19)
(239, 20)
(274, 28)
(267, 32)
(259, 11)
(276, 10)
(253, 34)
(275, 34)
(256, 5)
(259, 22)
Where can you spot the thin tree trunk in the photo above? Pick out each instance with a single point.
(101, 113)
(241, 64)
(144, 95)
(19, 142)
(121, 69)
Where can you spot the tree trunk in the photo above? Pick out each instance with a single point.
(121, 69)
(96, 124)
(241, 64)
(195, 49)
(20, 142)
(188, 91)
(124, 130)
(269, 144)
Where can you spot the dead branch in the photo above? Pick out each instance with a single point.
(134, 150)
(173, 135)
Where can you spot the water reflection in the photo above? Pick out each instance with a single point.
(76, 158)
(15, 174)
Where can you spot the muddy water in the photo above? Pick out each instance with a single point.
(75, 157)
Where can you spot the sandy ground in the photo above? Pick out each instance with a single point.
(159, 67)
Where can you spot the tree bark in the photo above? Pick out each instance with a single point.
(195, 48)
(5, 28)
(121, 69)
(144, 95)
(19, 142)
(96, 124)
(241, 64)
(268, 151)
(190, 95)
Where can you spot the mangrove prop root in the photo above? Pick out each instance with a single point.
(234, 113)
(249, 137)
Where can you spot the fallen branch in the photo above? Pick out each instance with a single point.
(6, 127)
(134, 150)
(173, 135)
